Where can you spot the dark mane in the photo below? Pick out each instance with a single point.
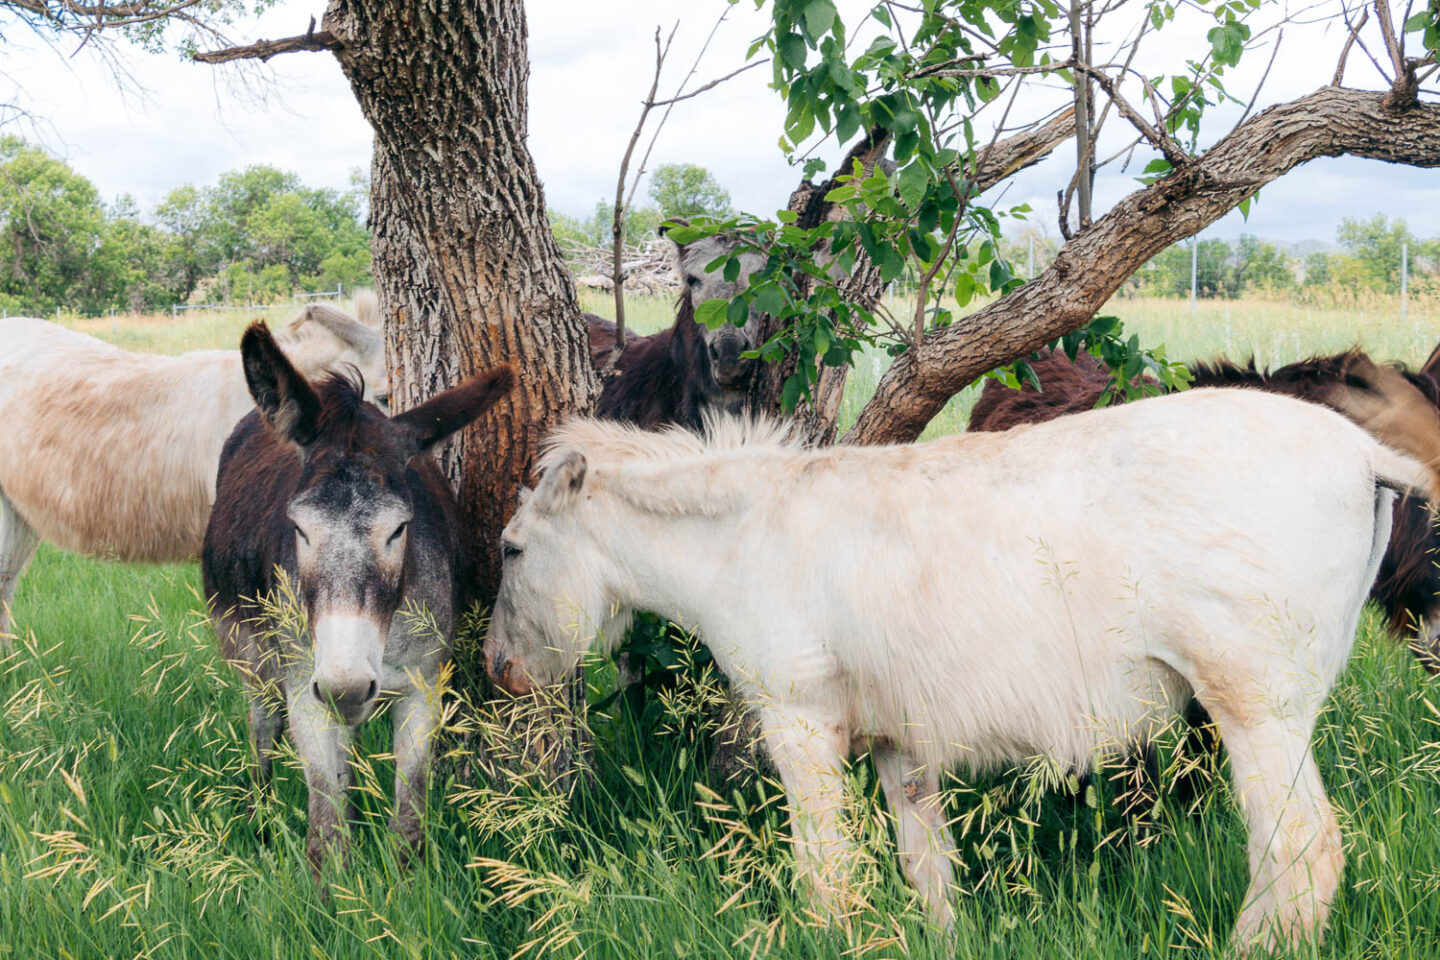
(659, 379)
(342, 402)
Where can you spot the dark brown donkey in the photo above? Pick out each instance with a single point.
(675, 375)
(325, 502)
(1402, 409)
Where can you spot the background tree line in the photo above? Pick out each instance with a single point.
(1368, 261)
(256, 235)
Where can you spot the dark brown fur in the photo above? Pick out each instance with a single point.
(1408, 586)
(660, 379)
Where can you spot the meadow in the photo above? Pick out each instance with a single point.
(129, 828)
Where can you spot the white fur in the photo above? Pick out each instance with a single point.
(984, 599)
(113, 453)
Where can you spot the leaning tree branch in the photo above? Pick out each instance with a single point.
(310, 40)
(1088, 270)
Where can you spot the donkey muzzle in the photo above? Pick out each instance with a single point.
(731, 370)
(507, 673)
(348, 652)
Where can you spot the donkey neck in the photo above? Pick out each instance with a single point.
(668, 555)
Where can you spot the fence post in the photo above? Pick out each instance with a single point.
(1194, 269)
(1031, 274)
(174, 310)
(1404, 279)
(114, 327)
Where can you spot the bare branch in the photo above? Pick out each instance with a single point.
(617, 219)
(1263, 77)
(709, 86)
(310, 40)
(1349, 42)
(1394, 45)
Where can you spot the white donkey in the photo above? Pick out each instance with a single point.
(1055, 591)
(113, 453)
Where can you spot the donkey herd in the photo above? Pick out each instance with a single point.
(1059, 581)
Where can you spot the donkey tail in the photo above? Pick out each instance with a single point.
(1406, 421)
(1404, 473)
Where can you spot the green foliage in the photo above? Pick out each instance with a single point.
(1426, 22)
(1222, 270)
(1135, 371)
(1376, 245)
(688, 190)
(51, 224)
(259, 232)
(262, 219)
(919, 223)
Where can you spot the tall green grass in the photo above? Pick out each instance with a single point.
(128, 826)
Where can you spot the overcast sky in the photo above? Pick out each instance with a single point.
(590, 66)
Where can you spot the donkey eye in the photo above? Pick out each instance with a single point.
(510, 551)
(693, 281)
(300, 533)
(396, 535)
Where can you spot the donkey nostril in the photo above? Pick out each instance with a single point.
(315, 689)
(370, 692)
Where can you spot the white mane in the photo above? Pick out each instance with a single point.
(609, 442)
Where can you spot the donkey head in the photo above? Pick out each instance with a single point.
(723, 347)
(552, 597)
(351, 508)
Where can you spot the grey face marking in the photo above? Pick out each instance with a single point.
(351, 539)
(726, 344)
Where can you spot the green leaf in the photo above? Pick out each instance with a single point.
(712, 313)
(912, 183)
(792, 50)
(793, 390)
(964, 287)
(769, 299)
(819, 17)
(737, 312)
(847, 121)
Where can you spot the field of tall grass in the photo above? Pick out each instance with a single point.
(128, 827)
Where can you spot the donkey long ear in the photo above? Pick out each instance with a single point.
(287, 403)
(561, 483)
(437, 418)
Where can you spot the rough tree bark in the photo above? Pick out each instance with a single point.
(816, 420)
(1090, 268)
(469, 274)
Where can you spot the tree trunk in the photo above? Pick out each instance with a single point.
(468, 272)
(1090, 268)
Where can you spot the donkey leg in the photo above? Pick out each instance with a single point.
(267, 717)
(1294, 839)
(322, 742)
(809, 750)
(18, 542)
(922, 835)
(417, 721)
